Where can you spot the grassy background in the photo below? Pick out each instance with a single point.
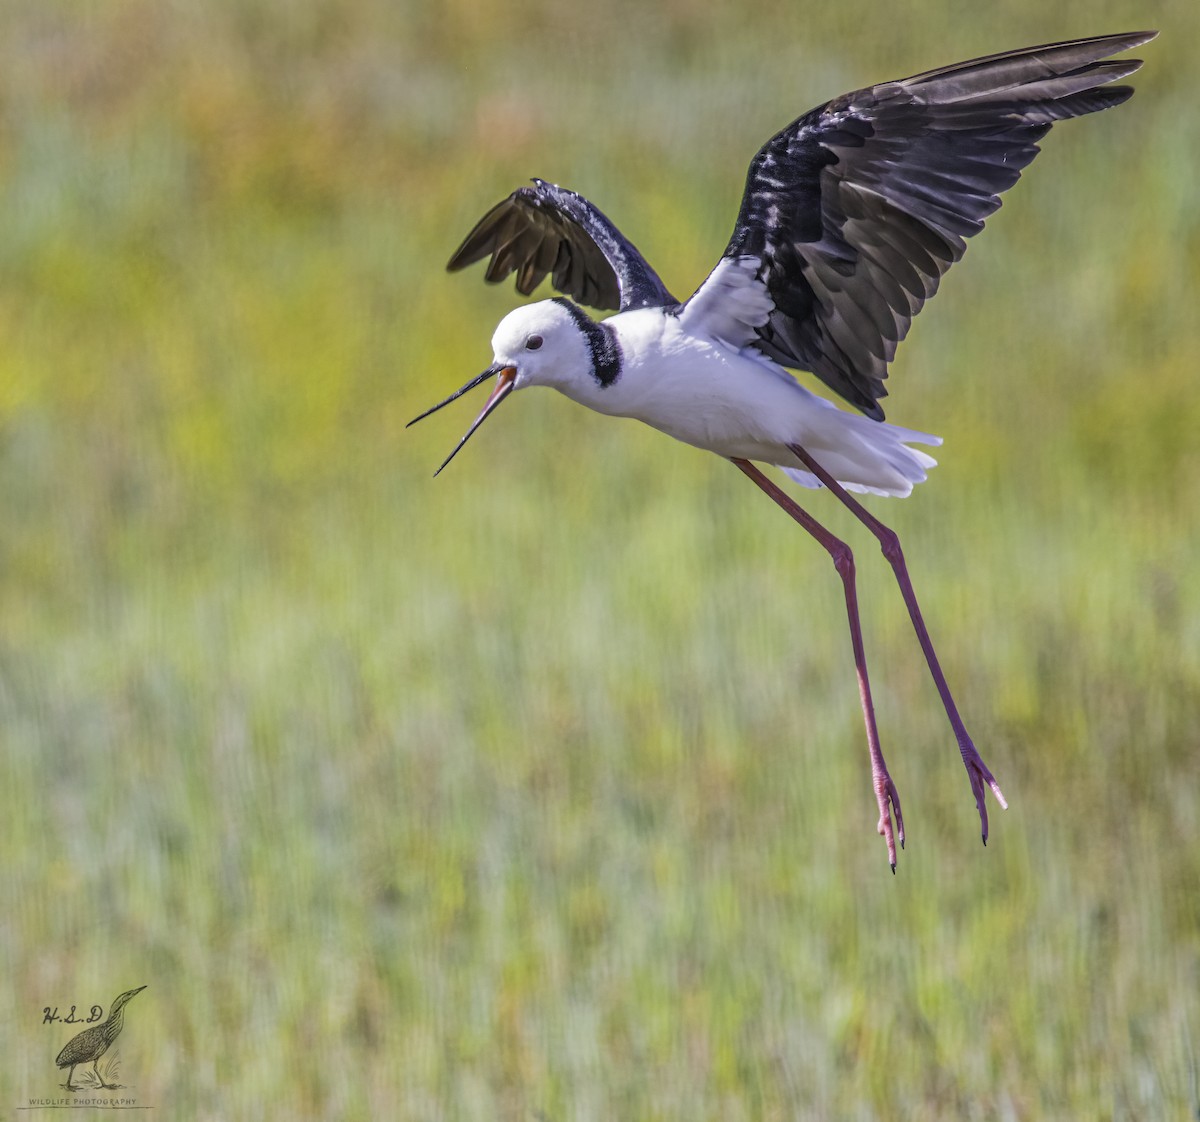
(539, 792)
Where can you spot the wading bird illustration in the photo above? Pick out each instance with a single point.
(850, 217)
(89, 1045)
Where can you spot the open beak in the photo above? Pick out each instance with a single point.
(505, 381)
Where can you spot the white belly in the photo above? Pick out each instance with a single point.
(742, 405)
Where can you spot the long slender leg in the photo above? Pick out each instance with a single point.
(977, 770)
(885, 790)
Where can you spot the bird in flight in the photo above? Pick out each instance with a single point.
(849, 219)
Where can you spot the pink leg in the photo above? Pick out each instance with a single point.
(885, 790)
(977, 770)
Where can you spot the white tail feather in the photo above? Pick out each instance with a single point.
(871, 458)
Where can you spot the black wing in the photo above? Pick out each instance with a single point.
(545, 229)
(856, 209)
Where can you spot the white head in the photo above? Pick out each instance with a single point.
(543, 343)
(550, 343)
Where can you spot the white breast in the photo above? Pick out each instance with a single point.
(739, 404)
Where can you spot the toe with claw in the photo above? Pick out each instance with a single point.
(889, 803)
(981, 778)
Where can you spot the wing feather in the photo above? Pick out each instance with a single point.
(857, 209)
(545, 230)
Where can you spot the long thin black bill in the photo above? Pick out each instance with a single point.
(505, 381)
(490, 372)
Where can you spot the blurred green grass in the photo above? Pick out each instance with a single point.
(539, 791)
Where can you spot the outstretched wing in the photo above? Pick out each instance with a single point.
(854, 212)
(545, 229)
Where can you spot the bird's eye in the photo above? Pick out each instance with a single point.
(533, 342)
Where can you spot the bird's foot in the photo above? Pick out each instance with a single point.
(981, 778)
(889, 802)
(70, 1087)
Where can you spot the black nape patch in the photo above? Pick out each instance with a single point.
(601, 340)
